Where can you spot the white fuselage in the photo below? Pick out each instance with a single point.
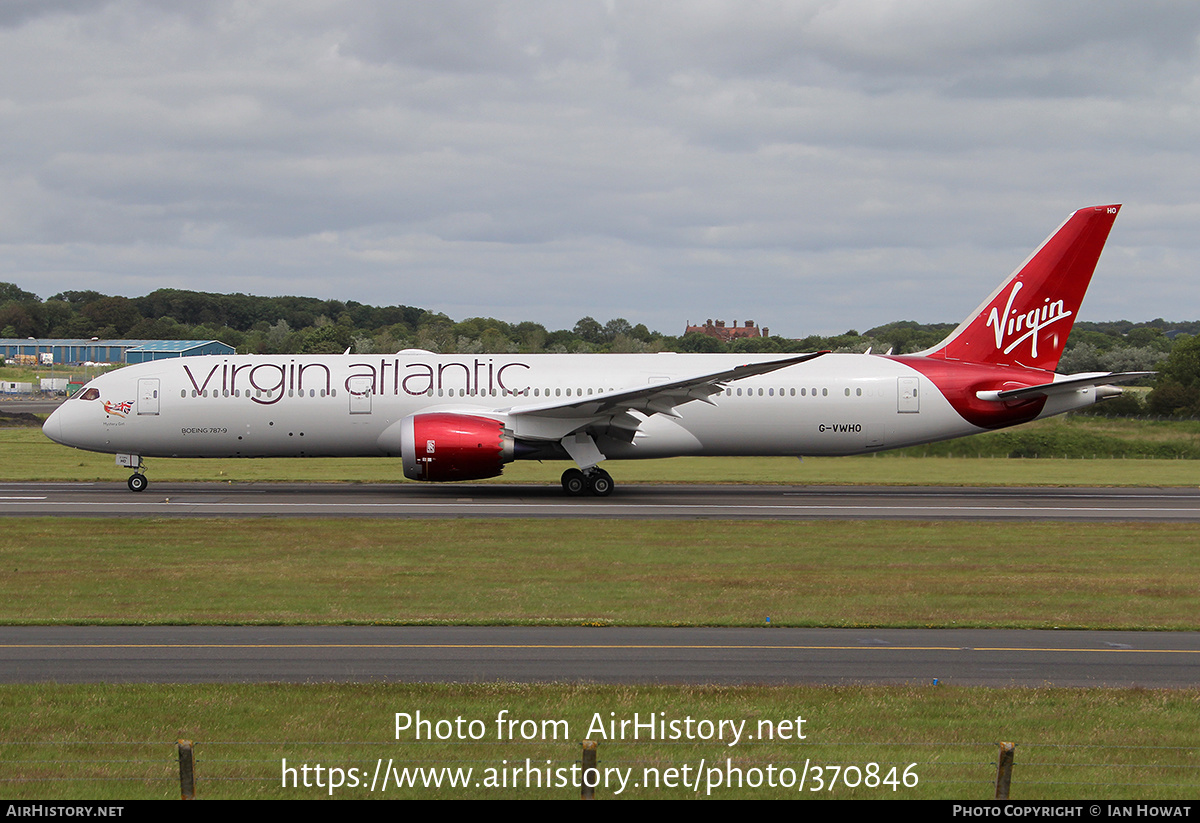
(330, 405)
(462, 417)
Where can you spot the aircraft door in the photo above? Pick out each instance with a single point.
(360, 395)
(147, 396)
(908, 393)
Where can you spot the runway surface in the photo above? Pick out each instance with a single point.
(639, 655)
(630, 502)
(607, 655)
(39, 406)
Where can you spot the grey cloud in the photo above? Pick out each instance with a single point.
(15, 13)
(835, 163)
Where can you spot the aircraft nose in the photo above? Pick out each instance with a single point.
(52, 428)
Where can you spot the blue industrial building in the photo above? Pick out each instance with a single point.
(67, 352)
(162, 349)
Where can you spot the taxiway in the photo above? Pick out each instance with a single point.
(206, 654)
(631, 502)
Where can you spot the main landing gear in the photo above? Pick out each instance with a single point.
(597, 481)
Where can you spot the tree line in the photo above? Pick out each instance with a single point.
(307, 325)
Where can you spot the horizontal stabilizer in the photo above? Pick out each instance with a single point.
(1072, 383)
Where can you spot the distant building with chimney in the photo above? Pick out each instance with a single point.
(725, 333)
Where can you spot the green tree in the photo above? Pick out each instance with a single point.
(10, 293)
(118, 312)
(617, 326)
(1177, 392)
(590, 330)
(332, 338)
(697, 342)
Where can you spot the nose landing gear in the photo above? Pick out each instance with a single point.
(137, 481)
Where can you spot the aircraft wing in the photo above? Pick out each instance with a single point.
(657, 398)
(1073, 383)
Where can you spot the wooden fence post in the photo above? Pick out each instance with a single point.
(187, 771)
(587, 792)
(1004, 770)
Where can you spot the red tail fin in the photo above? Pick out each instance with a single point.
(1026, 321)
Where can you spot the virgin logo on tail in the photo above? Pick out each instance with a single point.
(1038, 293)
(1032, 321)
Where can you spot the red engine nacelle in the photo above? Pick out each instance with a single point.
(441, 446)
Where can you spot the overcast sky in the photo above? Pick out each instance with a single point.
(813, 166)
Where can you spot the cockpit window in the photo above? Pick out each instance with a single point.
(90, 394)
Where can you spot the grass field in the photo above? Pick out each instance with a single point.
(573, 572)
(118, 742)
(28, 455)
(31, 374)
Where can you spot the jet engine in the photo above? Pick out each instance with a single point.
(440, 446)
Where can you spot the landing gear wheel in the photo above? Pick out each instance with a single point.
(573, 482)
(600, 483)
(138, 482)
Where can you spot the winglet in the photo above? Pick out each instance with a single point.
(1026, 321)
